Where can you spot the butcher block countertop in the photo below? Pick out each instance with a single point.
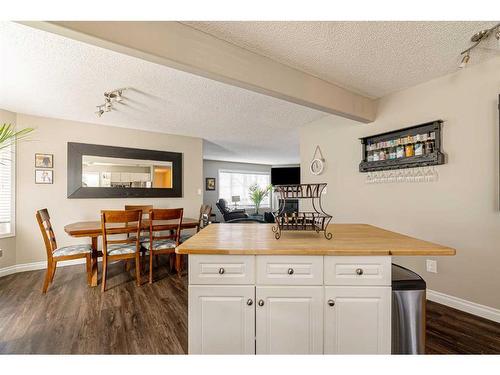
(348, 239)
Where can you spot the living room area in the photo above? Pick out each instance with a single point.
(241, 192)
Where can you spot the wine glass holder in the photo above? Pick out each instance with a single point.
(314, 220)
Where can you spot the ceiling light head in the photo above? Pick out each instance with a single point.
(477, 37)
(465, 61)
(99, 113)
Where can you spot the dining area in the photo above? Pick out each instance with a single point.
(137, 236)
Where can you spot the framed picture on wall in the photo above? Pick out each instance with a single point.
(43, 176)
(44, 161)
(210, 183)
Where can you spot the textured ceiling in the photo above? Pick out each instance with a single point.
(48, 75)
(372, 58)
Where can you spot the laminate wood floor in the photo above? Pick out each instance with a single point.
(152, 319)
(73, 318)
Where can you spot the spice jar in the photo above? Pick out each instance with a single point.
(409, 150)
(400, 151)
(419, 148)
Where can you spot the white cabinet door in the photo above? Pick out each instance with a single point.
(221, 319)
(289, 320)
(357, 320)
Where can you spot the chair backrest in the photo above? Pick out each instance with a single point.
(205, 212)
(222, 206)
(144, 207)
(165, 219)
(130, 221)
(49, 238)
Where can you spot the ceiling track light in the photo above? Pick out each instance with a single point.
(111, 97)
(477, 38)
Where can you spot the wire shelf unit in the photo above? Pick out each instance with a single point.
(315, 219)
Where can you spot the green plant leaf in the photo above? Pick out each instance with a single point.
(9, 135)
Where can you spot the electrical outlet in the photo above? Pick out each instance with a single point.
(198, 191)
(431, 265)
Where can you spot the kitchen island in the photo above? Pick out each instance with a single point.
(302, 294)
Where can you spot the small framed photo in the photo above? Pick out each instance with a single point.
(210, 183)
(44, 161)
(43, 176)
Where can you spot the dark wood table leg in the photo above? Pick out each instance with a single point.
(178, 264)
(93, 281)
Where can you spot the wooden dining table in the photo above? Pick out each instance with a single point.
(93, 230)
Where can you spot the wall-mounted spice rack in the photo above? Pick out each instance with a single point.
(416, 146)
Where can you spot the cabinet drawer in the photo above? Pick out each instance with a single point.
(289, 270)
(221, 269)
(358, 270)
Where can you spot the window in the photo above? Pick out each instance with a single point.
(237, 183)
(7, 191)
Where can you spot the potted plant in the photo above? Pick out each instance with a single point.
(9, 135)
(257, 195)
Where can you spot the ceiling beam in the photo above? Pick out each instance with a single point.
(184, 48)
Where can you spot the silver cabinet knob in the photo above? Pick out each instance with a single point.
(290, 271)
(221, 271)
(359, 271)
(331, 302)
(249, 302)
(261, 302)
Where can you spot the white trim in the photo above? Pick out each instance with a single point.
(13, 162)
(36, 266)
(483, 311)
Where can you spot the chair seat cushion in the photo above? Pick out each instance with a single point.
(121, 249)
(143, 238)
(161, 244)
(72, 250)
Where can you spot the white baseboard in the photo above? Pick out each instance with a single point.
(461, 304)
(36, 266)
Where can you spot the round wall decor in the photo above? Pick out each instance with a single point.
(318, 163)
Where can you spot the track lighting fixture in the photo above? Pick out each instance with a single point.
(477, 38)
(111, 97)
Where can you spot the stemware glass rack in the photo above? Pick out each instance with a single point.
(315, 219)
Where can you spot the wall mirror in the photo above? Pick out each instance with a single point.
(96, 171)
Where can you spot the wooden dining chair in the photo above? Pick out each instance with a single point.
(203, 221)
(144, 232)
(58, 254)
(166, 243)
(125, 224)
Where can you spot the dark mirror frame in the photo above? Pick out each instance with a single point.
(76, 190)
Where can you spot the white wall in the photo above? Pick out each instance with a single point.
(460, 210)
(8, 244)
(51, 136)
(211, 169)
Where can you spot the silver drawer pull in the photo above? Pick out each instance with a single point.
(359, 271)
(261, 302)
(331, 302)
(290, 271)
(221, 271)
(249, 302)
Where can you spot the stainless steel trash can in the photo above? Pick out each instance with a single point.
(408, 311)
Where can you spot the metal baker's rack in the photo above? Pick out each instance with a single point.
(315, 219)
